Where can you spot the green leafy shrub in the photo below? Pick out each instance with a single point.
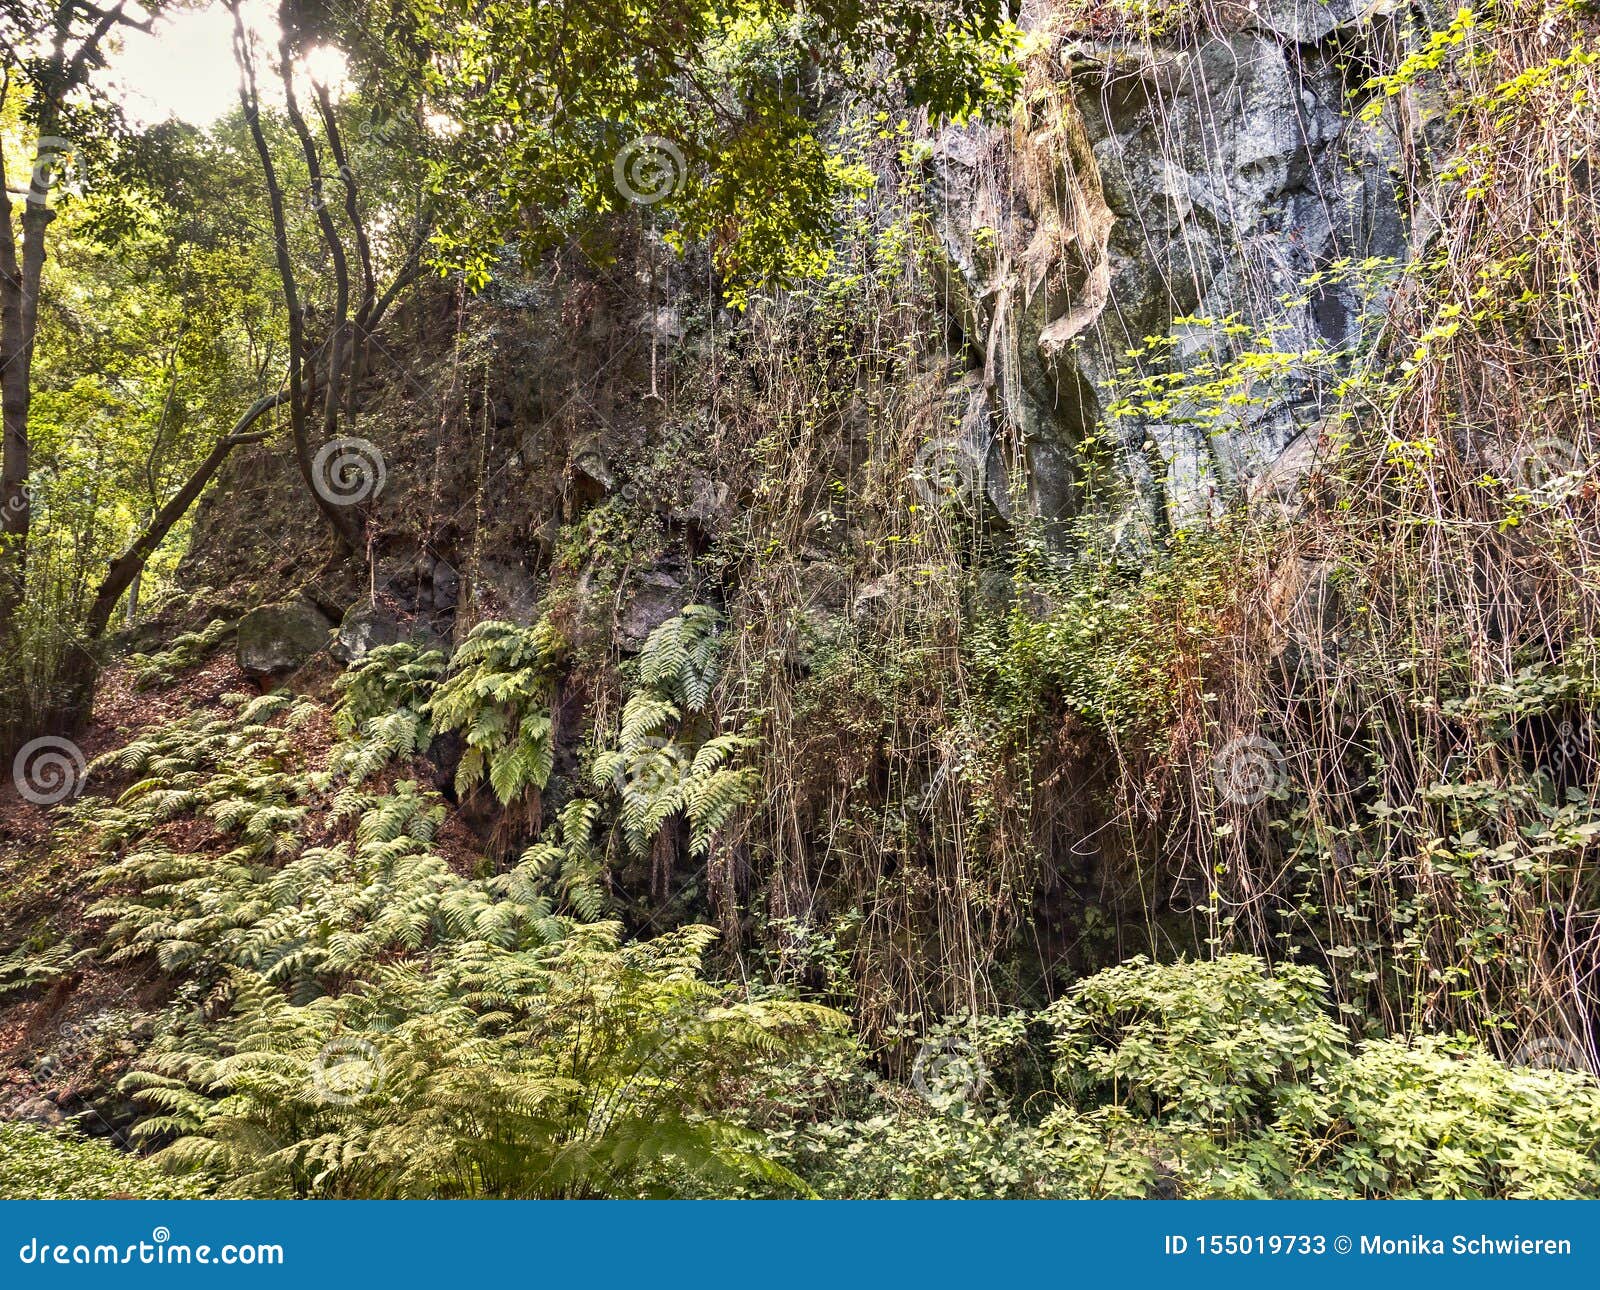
(1218, 1080)
(1203, 1042)
(920, 1155)
(1256, 1093)
(1441, 1118)
(50, 1164)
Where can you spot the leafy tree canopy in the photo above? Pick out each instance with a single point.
(559, 113)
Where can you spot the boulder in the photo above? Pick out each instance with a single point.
(652, 597)
(365, 628)
(501, 589)
(37, 1110)
(708, 506)
(276, 639)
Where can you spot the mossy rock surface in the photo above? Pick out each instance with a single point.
(276, 639)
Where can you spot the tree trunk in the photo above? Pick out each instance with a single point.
(19, 319)
(127, 566)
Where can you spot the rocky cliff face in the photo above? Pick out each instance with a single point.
(606, 443)
(1183, 186)
(1198, 177)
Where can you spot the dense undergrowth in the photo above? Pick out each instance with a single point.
(929, 855)
(359, 1019)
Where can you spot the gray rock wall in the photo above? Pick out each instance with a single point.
(1206, 175)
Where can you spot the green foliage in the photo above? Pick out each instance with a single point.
(1123, 644)
(240, 770)
(697, 108)
(303, 917)
(680, 659)
(1203, 1042)
(186, 650)
(1132, 19)
(381, 1024)
(256, 897)
(588, 1067)
(385, 1027)
(976, 1155)
(158, 331)
(1440, 46)
(518, 1054)
(27, 967)
(1440, 1118)
(668, 760)
(385, 680)
(50, 1164)
(325, 915)
(1260, 1096)
(498, 694)
(1206, 391)
(568, 859)
(381, 713)
(1216, 1079)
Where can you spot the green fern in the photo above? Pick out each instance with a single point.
(668, 761)
(523, 1053)
(583, 1068)
(567, 861)
(681, 658)
(185, 651)
(328, 914)
(381, 713)
(499, 694)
